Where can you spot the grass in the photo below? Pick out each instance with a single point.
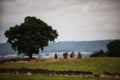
(25, 77)
(101, 64)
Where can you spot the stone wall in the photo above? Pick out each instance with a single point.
(70, 73)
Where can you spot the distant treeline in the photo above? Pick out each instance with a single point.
(113, 50)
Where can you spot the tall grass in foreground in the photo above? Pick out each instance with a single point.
(25, 77)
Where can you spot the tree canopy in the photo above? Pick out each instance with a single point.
(31, 35)
(99, 53)
(114, 48)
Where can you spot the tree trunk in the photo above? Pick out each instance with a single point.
(30, 56)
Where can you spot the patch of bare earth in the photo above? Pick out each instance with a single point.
(43, 61)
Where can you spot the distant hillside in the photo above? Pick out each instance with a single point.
(83, 46)
(64, 46)
(5, 48)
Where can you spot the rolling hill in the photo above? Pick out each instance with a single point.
(64, 46)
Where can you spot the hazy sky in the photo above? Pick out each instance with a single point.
(75, 20)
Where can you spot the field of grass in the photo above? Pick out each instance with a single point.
(25, 77)
(87, 64)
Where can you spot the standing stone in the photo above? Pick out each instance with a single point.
(65, 55)
(79, 55)
(72, 55)
(55, 56)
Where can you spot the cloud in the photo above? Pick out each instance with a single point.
(74, 19)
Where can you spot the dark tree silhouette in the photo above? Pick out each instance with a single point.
(31, 35)
(99, 53)
(114, 48)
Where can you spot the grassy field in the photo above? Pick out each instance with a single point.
(87, 64)
(25, 77)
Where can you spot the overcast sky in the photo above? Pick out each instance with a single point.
(75, 20)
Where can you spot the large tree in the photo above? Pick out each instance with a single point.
(30, 36)
(114, 48)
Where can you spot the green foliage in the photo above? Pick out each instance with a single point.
(30, 36)
(100, 53)
(114, 48)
